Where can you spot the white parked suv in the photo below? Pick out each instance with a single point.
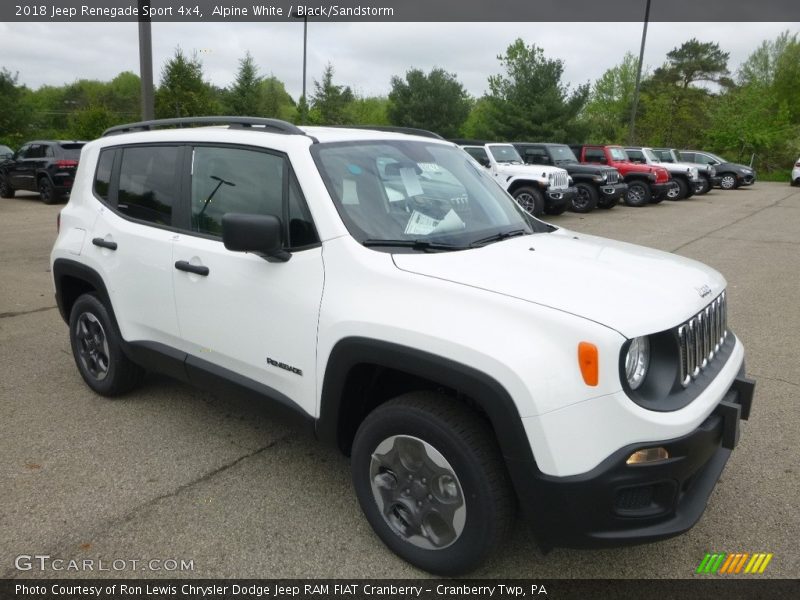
(539, 189)
(795, 180)
(471, 359)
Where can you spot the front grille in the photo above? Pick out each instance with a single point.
(559, 180)
(613, 178)
(700, 338)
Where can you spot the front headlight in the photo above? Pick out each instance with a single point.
(637, 361)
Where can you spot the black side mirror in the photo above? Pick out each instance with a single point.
(484, 161)
(259, 234)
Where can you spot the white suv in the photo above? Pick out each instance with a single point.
(471, 359)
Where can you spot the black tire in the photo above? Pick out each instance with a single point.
(638, 194)
(728, 181)
(607, 203)
(47, 191)
(585, 199)
(703, 186)
(530, 199)
(556, 209)
(97, 350)
(6, 191)
(683, 189)
(480, 481)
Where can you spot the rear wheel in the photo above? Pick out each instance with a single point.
(6, 191)
(585, 199)
(530, 199)
(97, 349)
(638, 194)
(47, 191)
(431, 481)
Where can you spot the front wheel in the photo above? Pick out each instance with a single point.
(638, 194)
(531, 200)
(683, 190)
(585, 199)
(728, 182)
(431, 481)
(97, 349)
(6, 191)
(702, 186)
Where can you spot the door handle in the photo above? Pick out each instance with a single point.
(98, 241)
(184, 265)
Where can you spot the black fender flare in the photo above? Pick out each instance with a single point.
(64, 267)
(486, 392)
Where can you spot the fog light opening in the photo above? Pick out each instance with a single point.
(647, 455)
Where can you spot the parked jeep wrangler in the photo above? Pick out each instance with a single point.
(646, 184)
(684, 174)
(595, 185)
(706, 172)
(538, 190)
(471, 359)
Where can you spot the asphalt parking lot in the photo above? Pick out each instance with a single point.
(171, 472)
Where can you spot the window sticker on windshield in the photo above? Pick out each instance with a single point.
(349, 191)
(411, 182)
(422, 224)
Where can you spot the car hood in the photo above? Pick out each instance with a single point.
(729, 166)
(583, 168)
(528, 170)
(631, 289)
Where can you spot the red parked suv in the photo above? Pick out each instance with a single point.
(645, 183)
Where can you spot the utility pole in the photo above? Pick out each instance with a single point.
(146, 63)
(632, 132)
(305, 48)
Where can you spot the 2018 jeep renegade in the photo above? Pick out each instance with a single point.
(471, 359)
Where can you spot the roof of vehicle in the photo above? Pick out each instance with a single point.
(59, 142)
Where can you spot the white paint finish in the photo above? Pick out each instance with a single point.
(632, 289)
(248, 309)
(579, 437)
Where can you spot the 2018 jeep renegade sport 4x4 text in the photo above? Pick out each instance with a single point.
(471, 359)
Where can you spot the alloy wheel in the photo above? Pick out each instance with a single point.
(92, 346)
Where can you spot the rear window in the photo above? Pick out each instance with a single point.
(148, 182)
(71, 151)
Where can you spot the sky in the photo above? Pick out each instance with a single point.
(365, 55)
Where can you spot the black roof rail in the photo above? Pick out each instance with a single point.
(392, 129)
(271, 125)
(470, 142)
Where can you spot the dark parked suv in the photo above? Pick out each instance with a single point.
(47, 167)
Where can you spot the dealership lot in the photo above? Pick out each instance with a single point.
(170, 472)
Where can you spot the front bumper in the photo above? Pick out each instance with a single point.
(613, 192)
(660, 190)
(745, 179)
(559, 198)
(617, 504)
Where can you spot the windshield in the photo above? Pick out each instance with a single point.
(618, 153)
(416, 194)
(562, 154)
(651, 155)
(666, 156)
(505, 153)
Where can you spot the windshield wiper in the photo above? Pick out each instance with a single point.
(498, 237)
(424, 245)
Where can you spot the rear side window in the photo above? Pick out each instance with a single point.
(102, 178)
(148, 183)
(595, 155)
(635, 155)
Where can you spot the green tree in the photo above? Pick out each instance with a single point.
(275, 100)
(529, 100)
(608, 110)
(436, 101)
(89, 123)
(694, 62)
(244, 96)
(15, 114)
(371, 110)
(182, 91)
(329, 101)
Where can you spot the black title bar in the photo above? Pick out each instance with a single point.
(709, 11)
